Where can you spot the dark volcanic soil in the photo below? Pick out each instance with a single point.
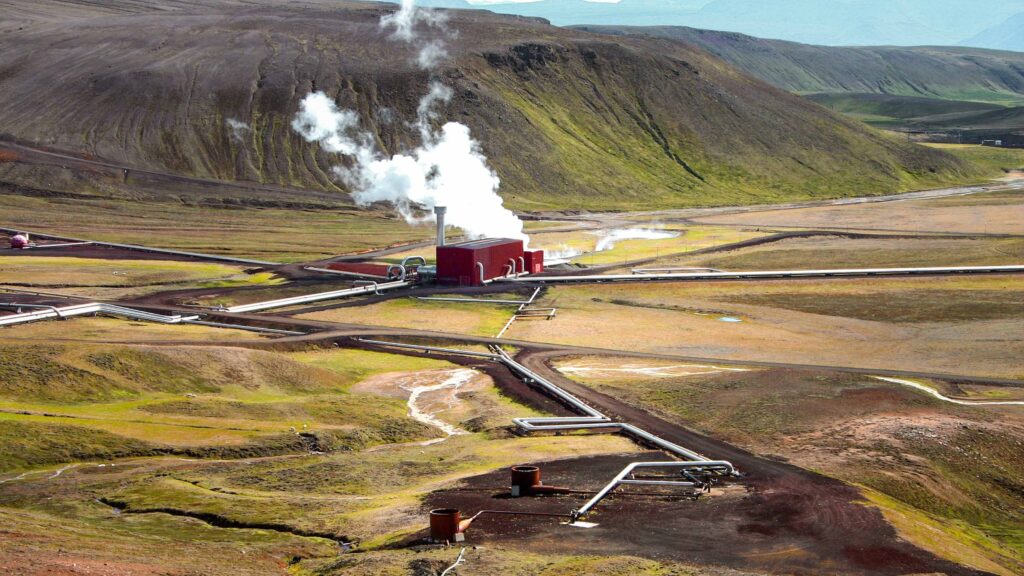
(778, 517)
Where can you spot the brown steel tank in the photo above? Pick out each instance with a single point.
(446, 525)
(524, 480)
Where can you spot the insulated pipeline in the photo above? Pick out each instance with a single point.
(693, 462)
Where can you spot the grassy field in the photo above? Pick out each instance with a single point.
(270, 507)
(506, 561)
(453, 317)
(992, 159)
(111, 279)
(837, 252)
(689, 239)
(98, 329)
(983, 213)
(863, 431)
(868, 323)
(273, 234)
(139, 400)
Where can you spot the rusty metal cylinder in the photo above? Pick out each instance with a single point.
(525, 479)
(445, 525)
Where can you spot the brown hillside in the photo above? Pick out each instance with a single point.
(568, 118)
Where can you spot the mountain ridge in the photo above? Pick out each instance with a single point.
(567, 118)
(954, 73)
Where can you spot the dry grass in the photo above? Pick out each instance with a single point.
(684, 318)
(837, 252)
(457, 318)
(97, 329)
(994, 213)
(264, 234)
(919, 456)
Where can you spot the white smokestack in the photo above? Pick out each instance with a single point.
(439, 212)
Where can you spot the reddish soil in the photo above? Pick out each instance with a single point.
(777, 517)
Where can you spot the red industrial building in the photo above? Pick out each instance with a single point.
(477, 262)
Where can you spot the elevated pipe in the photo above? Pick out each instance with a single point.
(318, 297)
(622, 478)
(592, 420)
(401, 272)
(345, 273)
(376, 287)
(422, 261)
(18, 307)
(139, 248)
(758, 275)
(92, 308)
(48, 312)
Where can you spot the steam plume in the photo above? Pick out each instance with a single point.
(446, 169)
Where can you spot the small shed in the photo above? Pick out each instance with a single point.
(534, 261)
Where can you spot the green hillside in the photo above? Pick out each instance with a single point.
(952, 73)
(569, 119)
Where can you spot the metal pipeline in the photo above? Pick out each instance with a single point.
(18, 307)
(428, 349)
(672, 270)
(693, 462)
(92, 308)
(48, 312)
(345, 273)
(139, 248)
(376, 287)
(401, 272)
(622, 478)
(759, 275)
(422, 260)
(319, 297)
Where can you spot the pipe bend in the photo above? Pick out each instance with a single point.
(401, 269)
(420, 259)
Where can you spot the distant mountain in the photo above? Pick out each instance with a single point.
(1007, 36)
(928, 72)
(827, 22)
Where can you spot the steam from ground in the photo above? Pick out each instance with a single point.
(610, 238)
(447, 169)
(239, 129)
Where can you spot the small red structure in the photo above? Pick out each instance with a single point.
(534, 261)
(447, 525)
(475, 262)
(19, 241)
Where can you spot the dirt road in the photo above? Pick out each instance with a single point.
(777, 517)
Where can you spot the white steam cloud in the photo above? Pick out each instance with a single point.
(239, 130)
(446, 169)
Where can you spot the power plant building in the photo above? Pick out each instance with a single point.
(477, 262)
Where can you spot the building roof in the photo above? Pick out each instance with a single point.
(482, 243)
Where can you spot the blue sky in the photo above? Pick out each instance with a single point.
(832, 22)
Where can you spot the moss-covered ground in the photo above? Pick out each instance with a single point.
(107, 279)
